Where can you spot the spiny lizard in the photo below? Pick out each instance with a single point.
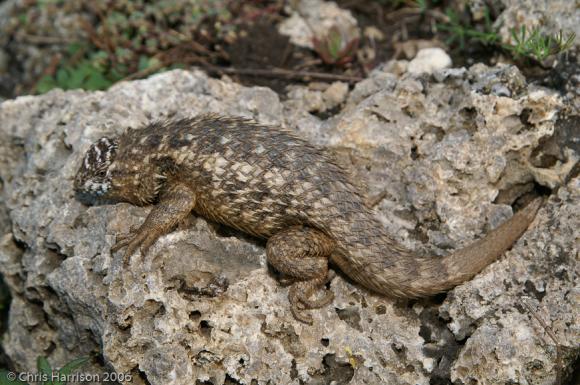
(268, 182)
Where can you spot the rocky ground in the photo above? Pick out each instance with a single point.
(455, 149)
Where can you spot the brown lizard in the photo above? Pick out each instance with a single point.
(268, 182)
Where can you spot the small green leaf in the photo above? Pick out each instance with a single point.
(72, 365)
(143, 62)
(176, 66)
(119, 71)
(62, 77)
(334, 42)
(96, 81)
(99, 60)
(45, 84)
(78, 76)
(23, 18)
(43, 365)
(73, 48)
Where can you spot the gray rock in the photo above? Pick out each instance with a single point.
(510, 318)
(202, 304)
(314, 18)
(429, 60)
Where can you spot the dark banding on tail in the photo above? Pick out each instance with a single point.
(379, 263)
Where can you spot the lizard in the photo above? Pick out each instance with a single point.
(268, 182)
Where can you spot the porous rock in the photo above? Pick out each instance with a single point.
(203, 305)
(311, 19)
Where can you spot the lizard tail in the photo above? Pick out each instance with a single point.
(375, 260)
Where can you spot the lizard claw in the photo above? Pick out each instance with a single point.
(319, 302)
(300, 315)
(121, 239)
(299, 294)
(135, 239)
(295, 295)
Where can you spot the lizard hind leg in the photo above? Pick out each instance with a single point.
(301, 254)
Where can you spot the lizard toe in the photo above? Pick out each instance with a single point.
(148, 241)
(319, 302)
(300, 314)
(123, 240)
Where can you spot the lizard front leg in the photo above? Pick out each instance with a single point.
(301, 254)
(175, 203)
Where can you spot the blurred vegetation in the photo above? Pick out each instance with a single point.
(128, 37)
(336, 48)
(538, 45)
(533, 44)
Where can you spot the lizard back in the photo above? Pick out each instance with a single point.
(259, 179)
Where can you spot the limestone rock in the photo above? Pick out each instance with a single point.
(314, 18)
(429, 60)
(202, 305)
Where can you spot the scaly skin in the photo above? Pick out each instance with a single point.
(267, 182)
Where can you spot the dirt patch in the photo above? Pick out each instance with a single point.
(260, 46)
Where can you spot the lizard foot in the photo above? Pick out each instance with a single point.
(123, 237)
(135, 239)
(299, 297)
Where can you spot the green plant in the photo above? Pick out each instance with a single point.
(537, 45)
(44, 367)
(53, 377)
(133, 38)
(87, 74)
(423, 5)
(459, 31)
(336, 48)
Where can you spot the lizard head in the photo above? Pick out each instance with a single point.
(94, 177)
(113, 175)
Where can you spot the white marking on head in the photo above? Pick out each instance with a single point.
(98, 151)
(96, 188)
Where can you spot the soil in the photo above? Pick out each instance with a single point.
(260, 46)
(255, 50)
